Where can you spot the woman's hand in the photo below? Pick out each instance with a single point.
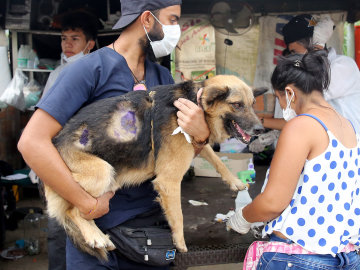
(99, 206)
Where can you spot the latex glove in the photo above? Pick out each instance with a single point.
(323, 31)
(179, 129)
(238, 223)
(269, 137)
(264, 140)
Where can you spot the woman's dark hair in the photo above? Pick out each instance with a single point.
(308, 72)
(85, 21)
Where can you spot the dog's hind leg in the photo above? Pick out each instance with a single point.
(171, 165)
(96, 176)
(209, 154)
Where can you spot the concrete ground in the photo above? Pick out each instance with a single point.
(40, 262)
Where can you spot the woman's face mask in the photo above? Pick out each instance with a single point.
(165, 46)
(288, 112)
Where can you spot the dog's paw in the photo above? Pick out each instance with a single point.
(182, 249)
(100, 241)
(109, 244)
(237, 185)
(181, 246)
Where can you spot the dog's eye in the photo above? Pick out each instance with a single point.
(238, 106)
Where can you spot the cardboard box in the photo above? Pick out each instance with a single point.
(235, 162)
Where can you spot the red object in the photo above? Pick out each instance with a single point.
(357, 45)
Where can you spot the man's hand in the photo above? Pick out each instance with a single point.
(191, 118)
(99, 206)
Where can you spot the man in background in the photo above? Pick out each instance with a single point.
(78, 35)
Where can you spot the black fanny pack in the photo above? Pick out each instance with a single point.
(145, 239)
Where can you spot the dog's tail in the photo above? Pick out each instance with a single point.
(74, 233)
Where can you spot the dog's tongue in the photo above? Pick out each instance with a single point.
(245, 136)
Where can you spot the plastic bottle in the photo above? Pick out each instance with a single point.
(31, 59)
(22, 57)
(32, 227)
(251, 167)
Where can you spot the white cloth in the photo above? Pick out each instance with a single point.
(323, 30)
(344, 89)
(178, 130)
(323, 215)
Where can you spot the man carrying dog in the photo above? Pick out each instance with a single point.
(148, 26)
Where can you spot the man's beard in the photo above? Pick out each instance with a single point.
(155, 34)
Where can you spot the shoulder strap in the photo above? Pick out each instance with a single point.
(352, 126)
(317, 119)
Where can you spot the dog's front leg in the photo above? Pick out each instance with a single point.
(170, 201)
(209, 154)
(173, 161)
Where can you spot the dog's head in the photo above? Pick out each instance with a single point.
(227, 102)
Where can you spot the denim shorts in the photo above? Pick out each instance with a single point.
(280, 261)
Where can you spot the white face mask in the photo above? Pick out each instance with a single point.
(65, 59)
(289, 113)
(165, 46)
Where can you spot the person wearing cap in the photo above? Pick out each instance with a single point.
(148, 26)
(303, 33)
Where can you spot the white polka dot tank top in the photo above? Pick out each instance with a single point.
(324, 213)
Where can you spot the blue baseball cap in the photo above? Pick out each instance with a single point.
(131, 9)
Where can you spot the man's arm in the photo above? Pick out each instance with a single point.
(41, 155)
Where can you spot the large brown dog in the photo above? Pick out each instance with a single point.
(125, 140)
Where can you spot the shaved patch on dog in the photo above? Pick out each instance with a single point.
(124, 126)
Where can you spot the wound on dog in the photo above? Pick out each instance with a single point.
(128, 122)
(84, 138)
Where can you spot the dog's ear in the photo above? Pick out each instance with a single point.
(215, 93)
(259, 91)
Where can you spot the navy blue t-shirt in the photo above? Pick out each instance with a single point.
(101, 74)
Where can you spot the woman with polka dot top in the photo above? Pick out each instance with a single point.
(311, 201)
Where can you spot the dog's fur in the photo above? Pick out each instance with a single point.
(125, 140)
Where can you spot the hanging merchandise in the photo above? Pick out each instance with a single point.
(240, 57)
(195, 53)
(271, 42)
(13, 94)
(5, 76)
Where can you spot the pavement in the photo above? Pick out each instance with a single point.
(200, 227)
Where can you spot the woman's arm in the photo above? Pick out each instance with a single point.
(273, 123)
(291, 153)
(41, 155)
